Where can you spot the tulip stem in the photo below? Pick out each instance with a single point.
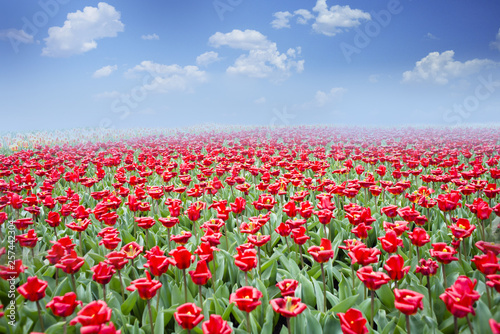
(201, 300)
(121, 285)
(455, 324)
(81, 247)
(429, 289)
(352, 271)
(213, 274)
(489, 297)
(168, 239)
(55, 232)
(259, 260)
(185, 286)
(146, 241)
(373, 309)
(444, 276)
(470, 325)
(74, 283)
(288, 325)
(407, 324)
(158, 299)
(301, 257)
(248, 321)
(246, 278)
(151, 316)
(324, 286)
(40, 315)
(104, 292)
(65, 327)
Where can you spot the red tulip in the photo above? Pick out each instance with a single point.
(92, 315)
(287, 287)
(390, 242)
(12, 271)
(117, 259)
(183, 257)
(494, 281)
(146, 287)
(408, 302)
(373, 280)
(443, 253)
(395, 267)
(352, 322)
(34, 289)
(102, 273)
(419, 237)
(27, 240)
(427, 267)
(460, 297)
(246, 260)
(70, 263)
(323, 252)
(201, 275)
(63, 306)
(363, 255)
(216, 325)
(288, 306)
(487, 263)
(188, 315)
(246, 298)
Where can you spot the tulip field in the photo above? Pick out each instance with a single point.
(309, 229)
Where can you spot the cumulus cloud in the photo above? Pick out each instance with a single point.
(322, 98)
(104, 71)
(327, 21)
(207, 58)
(263, 59)
(150, 37)
(16, 35)
(162, 78)
(281, 20)
(440, 67)
(430, 36)
(496, 43)
(81, 30)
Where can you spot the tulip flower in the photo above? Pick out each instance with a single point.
(408, 302)
(394, 266)
(444, 255)
(289, 307)
(63, 306)
(246, 299)
(287, 287)
(390, 242)
(322, 254)
(147, 288)
(183, 259)
(373, 280)
(216, 325)
(352, 322)
(34, 290)
(200, 277)
(70, 264)
(95, 318)
(188, 316)
(102, 275)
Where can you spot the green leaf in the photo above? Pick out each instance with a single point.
(386, 296)
(227, 312)
(307, 291)
(129, 303)
(267, 327)
(344, 305)
(483, 316)
(313, 326)
(159, 324)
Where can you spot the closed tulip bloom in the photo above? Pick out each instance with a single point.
(34, 289)
(102, 273)
(352, 322)
(246, 260)
(288, 306)
(364, 255)
(427, 267)
(188, 315)
(494, 281)
(158, 264)
(408, 302)
(117, 259)
(201, 275)
(63, 306)
(419, 237)
(246, 298)
(183, 257)
(395, 267)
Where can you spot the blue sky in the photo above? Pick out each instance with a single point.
(123, 64)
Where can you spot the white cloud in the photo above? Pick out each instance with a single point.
(260, 100)
(327, 21)
(263, 59)
(303, 16)
(150, 37)
(440, 67)
(281, 20)
(104, 71)
(496, 43)
(237, 39)
(207, 58)
(162, 78)
(17, 35)
(81, 30)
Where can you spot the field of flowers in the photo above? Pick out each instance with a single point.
(251, 230)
